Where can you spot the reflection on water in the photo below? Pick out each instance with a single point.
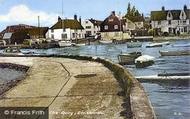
(169, 101)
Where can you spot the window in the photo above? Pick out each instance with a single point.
(110, 20)
(169, 22)
(106, 27)
(159, 22)
(52, 30)
(88, 27)
(64, 30)
(73, 35)
(79, 35)
(184, 22)
(63, 36)
(115, 26)
(52, 36)
(86, 22)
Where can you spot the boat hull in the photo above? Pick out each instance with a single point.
(139, 64)
(134, 45)
(174, 53)
(128, 59)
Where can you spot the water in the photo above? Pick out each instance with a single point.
(7, 74)
(170, 101)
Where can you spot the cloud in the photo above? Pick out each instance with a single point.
(23, 15)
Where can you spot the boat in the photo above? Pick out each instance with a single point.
(128, 58)
(144, 61)
(65, 43)
(174, 53)
(182, 45)
(104, 42)
(134, 44)
(81, 44)
(157, 44)
(12, 51)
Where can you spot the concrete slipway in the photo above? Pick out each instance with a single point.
(74, 89)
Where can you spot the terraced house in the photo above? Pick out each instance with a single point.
(171, 21)
(91, 26)
(66, 29)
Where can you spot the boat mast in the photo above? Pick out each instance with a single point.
(62, 22)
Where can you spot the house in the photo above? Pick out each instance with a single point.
(15, 37)
(67, 29)
(91, 26)
(18, 33)
(114, 28)
(171, 21)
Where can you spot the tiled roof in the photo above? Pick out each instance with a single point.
(67, 23)
(95, 22)
(162, 15)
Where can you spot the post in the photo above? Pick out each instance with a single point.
(39, 26)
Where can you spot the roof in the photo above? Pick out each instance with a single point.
(111, 21)
(162, 15)
(7, 35)
(95, 22)
(37, 30)
(67, 23)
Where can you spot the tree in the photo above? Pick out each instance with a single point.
(129, 9)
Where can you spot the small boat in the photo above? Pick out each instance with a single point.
(157, 44)
(65, 43)
(104, 42)
(81, 44)
(174, 53)
(128, 58)
(182, 45)
(12, 51)
(134, 44)
(144, 61)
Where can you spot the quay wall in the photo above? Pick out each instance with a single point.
(140, 106)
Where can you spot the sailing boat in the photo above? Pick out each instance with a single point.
(64, 42)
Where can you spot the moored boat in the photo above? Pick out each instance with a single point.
(65, 43)
(134, 44)
(157, 44)
(104, 42)
(144, 61)
(174, 53)
(182, 45)
(12, 51)
(128, 58)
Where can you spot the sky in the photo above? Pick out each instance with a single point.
(27, 11)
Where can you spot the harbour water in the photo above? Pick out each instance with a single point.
(169, 101)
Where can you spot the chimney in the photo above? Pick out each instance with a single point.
(113, 13)
(59, 18)
(75, 17)
(163, 8)
(185, 7)
(80, 19)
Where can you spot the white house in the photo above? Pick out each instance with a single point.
(171, 21)
(91, 26)
(67, 29)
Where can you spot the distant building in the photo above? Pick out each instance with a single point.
(67, 29)
(171, 21)
(114, 28)
(91, 26)
(18, 33)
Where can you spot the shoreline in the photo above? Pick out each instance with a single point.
(6, 85)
